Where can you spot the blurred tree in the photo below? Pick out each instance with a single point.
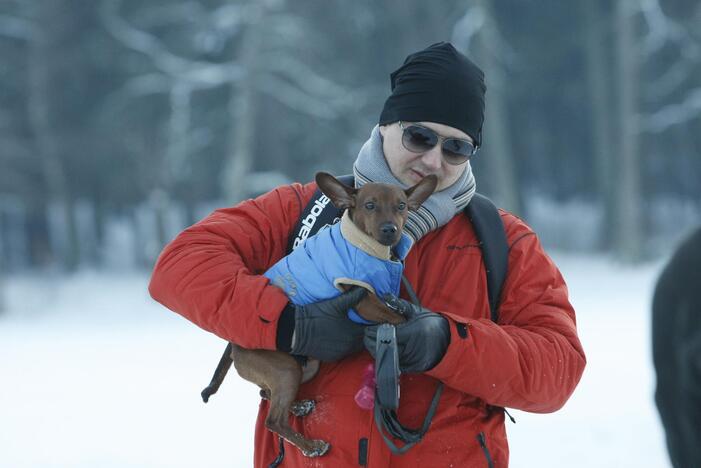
(598, 32)
(49, 19)
(478, 28)
(153, 112)
(627, 220)
(175, 76)
(273, 65)
(670, 107)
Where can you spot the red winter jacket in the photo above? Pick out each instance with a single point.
(531, 360)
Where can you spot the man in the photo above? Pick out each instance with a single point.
(676, 351)
(530, 360)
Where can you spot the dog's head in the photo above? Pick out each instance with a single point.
(379, 210)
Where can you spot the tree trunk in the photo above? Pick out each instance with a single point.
(175, 163)
(42, 55)
(243, 111)
(628, 196)
(159, 204)
(598, 65)
(99, 220)
(2, 290)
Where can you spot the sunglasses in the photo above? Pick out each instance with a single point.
(418, 139)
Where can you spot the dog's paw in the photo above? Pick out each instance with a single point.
(317, 448)
(302, 407)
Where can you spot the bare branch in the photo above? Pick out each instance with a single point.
(468, 27)
(670, 80)
(288, 28)
(144, 85)
(229, 17)
(663, 30)
(295, 98)
(193, 71)
(312, 83)
(673, 114)
(303, 76)
(658, 26)
(478, 20)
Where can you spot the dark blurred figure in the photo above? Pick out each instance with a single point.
(676, 349)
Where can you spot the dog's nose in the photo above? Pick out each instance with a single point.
(388, 229)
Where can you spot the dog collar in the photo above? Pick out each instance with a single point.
(370, 246)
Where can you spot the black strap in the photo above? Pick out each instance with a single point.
(386, 367)
(410, 291)
(489, 228)
(387, 419)
(280, 455)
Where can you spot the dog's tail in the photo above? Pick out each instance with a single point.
(219, 374)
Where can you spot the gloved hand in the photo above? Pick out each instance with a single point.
(322, 330)
(421, 341)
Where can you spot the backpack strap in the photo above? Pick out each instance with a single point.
(489, 228)
(483, 215)
(318, 213)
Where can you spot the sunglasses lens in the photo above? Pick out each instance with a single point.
(457, 151)
(418, 139)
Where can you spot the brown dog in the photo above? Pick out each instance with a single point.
(278, 374)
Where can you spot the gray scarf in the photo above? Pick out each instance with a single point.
(435, 212)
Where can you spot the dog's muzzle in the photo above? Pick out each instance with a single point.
(388, 233)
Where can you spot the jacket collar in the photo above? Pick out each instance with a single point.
(370, 246)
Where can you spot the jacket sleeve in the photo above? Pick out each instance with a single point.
(532, 359)
(210, 273)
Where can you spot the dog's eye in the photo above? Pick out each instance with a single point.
(370, 205)
(402, 206)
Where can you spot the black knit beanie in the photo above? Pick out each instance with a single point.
(441, 85)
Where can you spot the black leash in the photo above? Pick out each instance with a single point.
(280, 455)
(387, 389)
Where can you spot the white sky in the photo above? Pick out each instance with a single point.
(96, 374)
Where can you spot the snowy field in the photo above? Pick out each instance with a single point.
(95, 374)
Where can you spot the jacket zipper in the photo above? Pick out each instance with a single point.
(483, 443)
(363, 452)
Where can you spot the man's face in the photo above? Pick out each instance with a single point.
(411, 167)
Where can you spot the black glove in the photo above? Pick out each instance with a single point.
(322, 330)
(421, 341)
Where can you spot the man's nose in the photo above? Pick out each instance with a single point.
(432, 158)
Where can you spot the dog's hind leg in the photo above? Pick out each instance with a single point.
(282, 396)
(298, 408)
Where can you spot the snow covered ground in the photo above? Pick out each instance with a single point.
(95, 374)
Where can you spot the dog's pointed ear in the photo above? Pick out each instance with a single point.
(418, 194)
(341, 195)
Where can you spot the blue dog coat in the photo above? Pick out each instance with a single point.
(336, 255)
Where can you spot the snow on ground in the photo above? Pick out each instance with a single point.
(96, 374)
